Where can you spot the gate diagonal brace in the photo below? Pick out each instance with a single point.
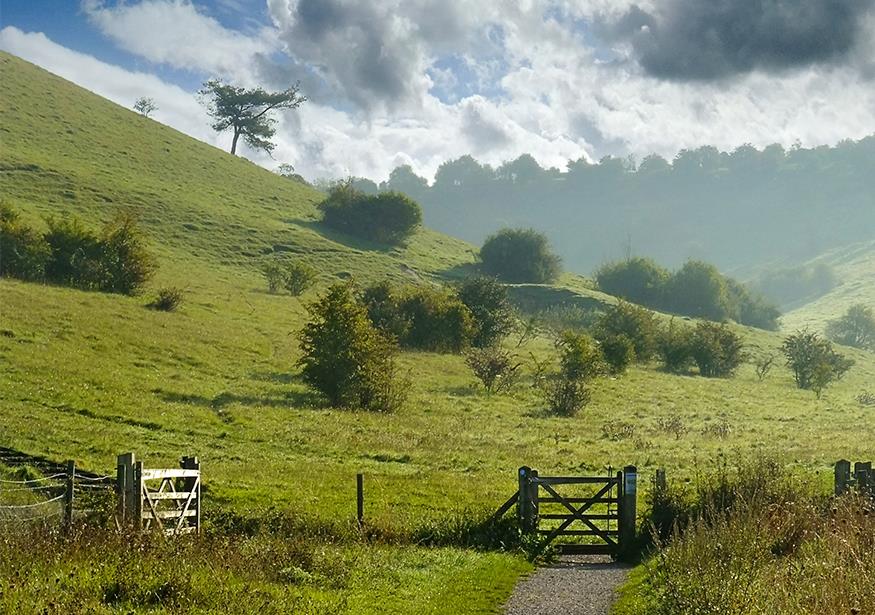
(577, 514)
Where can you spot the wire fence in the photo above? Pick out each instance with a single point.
(60, 497)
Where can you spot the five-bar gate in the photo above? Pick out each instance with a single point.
(590, 514)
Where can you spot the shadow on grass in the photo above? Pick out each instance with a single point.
(350, 241)
(219, 403)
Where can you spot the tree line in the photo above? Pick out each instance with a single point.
(735, 209)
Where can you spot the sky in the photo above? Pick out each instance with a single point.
(420, 82)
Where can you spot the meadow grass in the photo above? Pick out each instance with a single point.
(88, 376)
(762, 541)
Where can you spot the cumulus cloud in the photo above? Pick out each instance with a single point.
(422, 81)
(695, 40)
(178, 34)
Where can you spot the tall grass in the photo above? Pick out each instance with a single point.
(751, 543)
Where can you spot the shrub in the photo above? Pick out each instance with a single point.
(717, 351)
(763, 366)
(387, 217)
(168, 299)
(126, 262)
(566, 390)
(75, 255)
(637, 324)
(813, 361)
(497, 369)
(619, 352)
(116, 261)
(346, 358)
(274, 274)
(439, 321)
(699, 290)
(673, 347)
(520, 256)
(751, 308)
(490, 308)
(384, 310)
(855, 328)
(23, 251)
(639, 280)
(298, 277)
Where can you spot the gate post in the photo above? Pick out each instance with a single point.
(136, 493)
(628, 508)
(524, 503)
(193, 484)
(125, 480)
(842, 476)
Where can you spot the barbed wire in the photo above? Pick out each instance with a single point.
(34, 480)
(95, 479)
(34, 488)
(34, 505)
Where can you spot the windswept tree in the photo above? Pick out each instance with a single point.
(246, 111)
(145, 106)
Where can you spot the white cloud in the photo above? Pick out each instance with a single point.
(539, 84)
(176, 33)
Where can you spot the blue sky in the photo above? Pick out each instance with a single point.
(422, 81)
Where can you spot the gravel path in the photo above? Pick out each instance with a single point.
(574, 585)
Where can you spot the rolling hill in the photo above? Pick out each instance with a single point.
(87, 376)
(854, 266)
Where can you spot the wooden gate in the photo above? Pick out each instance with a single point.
(168, 500)
(596, 513)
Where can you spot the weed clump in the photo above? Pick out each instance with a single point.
(168, 299)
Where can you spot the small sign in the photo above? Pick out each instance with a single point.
(630, 483)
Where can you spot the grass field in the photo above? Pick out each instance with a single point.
(88, 376)
(854, 266)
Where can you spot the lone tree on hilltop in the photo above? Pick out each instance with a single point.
(145, 106)
(246, 111)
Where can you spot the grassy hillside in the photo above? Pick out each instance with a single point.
(88, 375)
(854, 266)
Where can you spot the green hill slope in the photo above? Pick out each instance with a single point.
(88, 375)
(67, 151)
(854, 266)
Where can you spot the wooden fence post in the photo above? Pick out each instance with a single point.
(628, 508)
(360, 499)
(125, 487)
(68, 494)
(533, 498)
(137, 495)
(193, 484)
(524, 503)
(661, 483)
(842, 476)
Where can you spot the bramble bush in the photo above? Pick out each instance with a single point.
(856, 328)
(566, 390)
(299, 277)
(420, 317)
(490, 307)
(496, 369)
(636, 279)
(520, 256)
(346, 358)
(387, 217)
(637, 324)
(116, 260)
(168, 300)
(814, 363)
(716, 350)
(618, 351)
(673, 347)
(24, 253)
